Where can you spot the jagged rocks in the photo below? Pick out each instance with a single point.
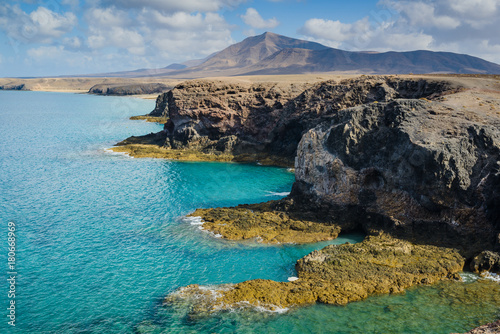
(267, 120)
(486, 261)
(419, 169)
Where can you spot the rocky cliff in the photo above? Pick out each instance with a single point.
(419, 169)
(416, 159)
(269, 119)
(128, 89)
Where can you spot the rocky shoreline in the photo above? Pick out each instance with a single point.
(336, 275)
(411, 161)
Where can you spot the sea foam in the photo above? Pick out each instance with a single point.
(270, 193)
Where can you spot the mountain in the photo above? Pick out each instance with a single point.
(292, 61)
(254, 49)
(271, 53)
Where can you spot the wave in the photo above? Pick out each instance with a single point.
(198, 221)
(193, 220)
(491, 276)
(124, 154)
(208, 300)
(271, 193)
(468, 277)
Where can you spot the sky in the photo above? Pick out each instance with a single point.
(71, 37)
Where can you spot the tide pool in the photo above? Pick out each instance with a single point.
(101, 238)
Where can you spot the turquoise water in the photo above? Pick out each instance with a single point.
(101, 239)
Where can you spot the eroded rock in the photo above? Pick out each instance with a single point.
(266, 224)
(417, 169)
(265, 121)
(337, 274)
(486, 261)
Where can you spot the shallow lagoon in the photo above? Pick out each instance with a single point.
(101, 238)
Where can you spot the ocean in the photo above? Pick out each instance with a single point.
(101, 238)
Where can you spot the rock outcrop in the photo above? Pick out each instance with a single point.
(486, 261)
(265, 223)
(13, 86)
(267, 120)
(490, 328)
(420, 170)
(128, 89)
(337, 274)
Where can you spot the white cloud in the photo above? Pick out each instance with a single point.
(335, 31)
(254, 20)
(107, 17)
(175, 5)
(111, 27)
(475, 8)
(51, 24)
(188, 35)
(40, 26)
(424, 14)
(72, 3)
(463, 26)
(178, 35)
(72, 42)
(47, 54)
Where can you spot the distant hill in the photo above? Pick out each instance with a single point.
(271, 53)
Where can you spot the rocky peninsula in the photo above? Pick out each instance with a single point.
(412, 161)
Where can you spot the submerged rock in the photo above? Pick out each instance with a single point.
(337, 274)
(490, 328)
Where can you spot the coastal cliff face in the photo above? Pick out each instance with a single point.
(412, 162)
(375, 153)
(269, 118)
(128, 89)
(411, 156)
(418, 169)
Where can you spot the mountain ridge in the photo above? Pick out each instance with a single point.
(270, 53)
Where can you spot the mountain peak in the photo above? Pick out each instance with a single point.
(256, 48)
(271, 34)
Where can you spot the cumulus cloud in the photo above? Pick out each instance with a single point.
(148, 31)
(465, 26)
(475, 8)
(112, 27)
(188, 34)
(254, 20)
(175, 5)
(335, 30)
(41, 25)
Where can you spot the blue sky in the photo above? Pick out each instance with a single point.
(58, 37)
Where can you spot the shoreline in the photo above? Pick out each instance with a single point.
(314, 212)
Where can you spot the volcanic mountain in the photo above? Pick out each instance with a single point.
(271, 53)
